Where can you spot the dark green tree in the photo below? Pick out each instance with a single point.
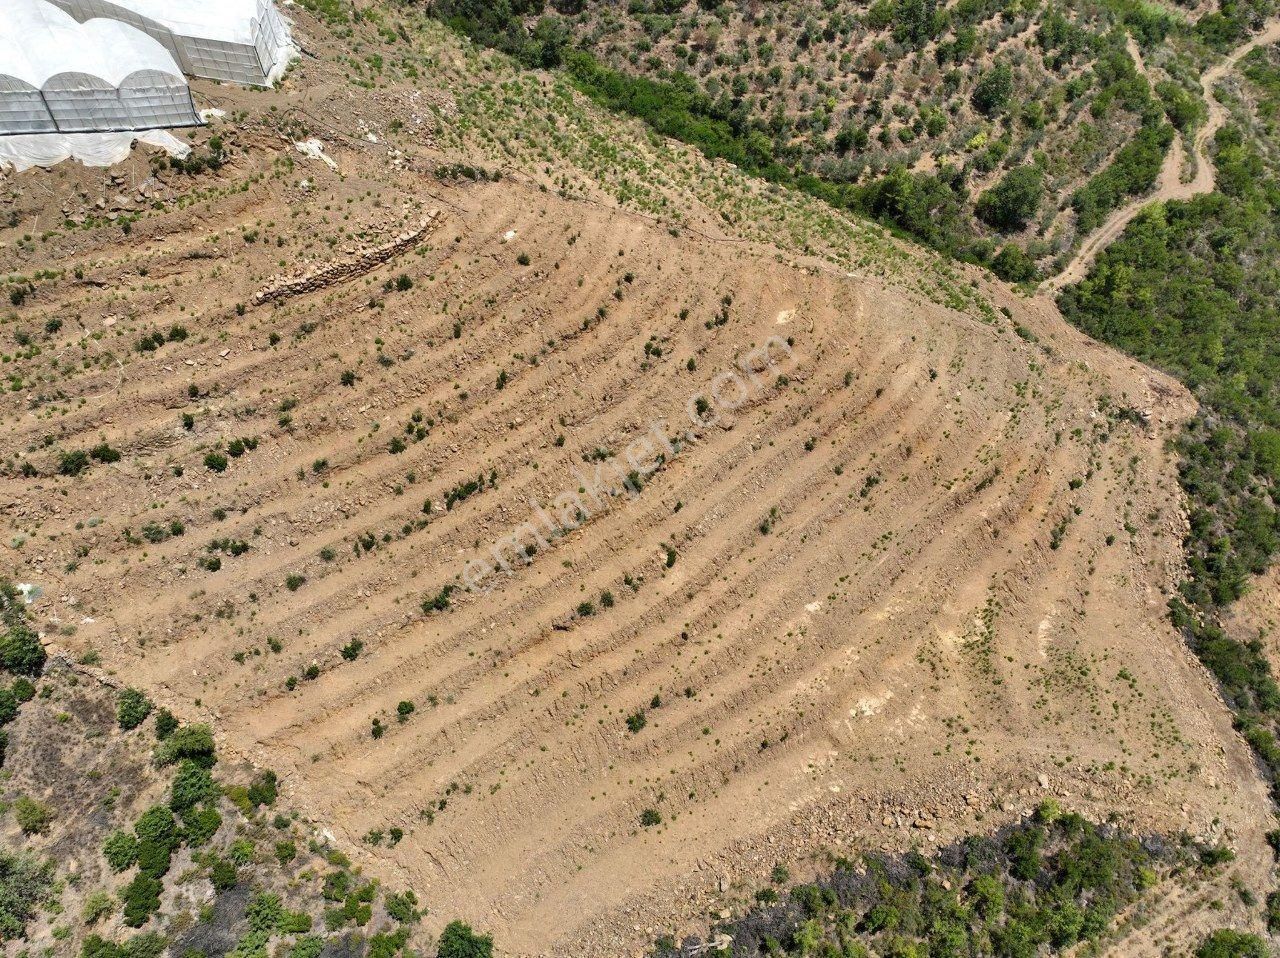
(459, 941)
(1014, 200)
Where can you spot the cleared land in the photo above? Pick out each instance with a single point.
(912, 583)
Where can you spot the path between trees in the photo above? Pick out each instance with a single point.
(1169, 185)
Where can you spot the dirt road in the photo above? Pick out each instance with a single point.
(1170, 185)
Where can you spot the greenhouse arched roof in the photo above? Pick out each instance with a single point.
(41, 41)
(57, 75)
(241, 41)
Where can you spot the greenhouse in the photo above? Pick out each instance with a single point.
(239, 41)
(60, 76)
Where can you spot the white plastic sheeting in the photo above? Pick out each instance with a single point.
(241, 41)
(60, 76)
(22, 152)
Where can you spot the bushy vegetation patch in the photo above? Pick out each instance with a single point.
(1042, 886)
(1132, 172)
(252, 880)
(25, 883)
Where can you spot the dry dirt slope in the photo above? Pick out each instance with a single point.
(912, 583)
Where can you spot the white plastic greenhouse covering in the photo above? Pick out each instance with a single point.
(241, 41)
(60, 76)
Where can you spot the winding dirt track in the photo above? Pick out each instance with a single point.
(1170, 185)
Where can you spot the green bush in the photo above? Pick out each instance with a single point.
(132, 708)
(403, 907)
(242, 851)
(194, 742)
(308, 946)
(120, 850)
(8, 706)
(97, 906)
(73, 463)
(223, 874)
(992, 92)
(1014, 200)
(200, 824)
(192, 784)
(1013, 265)
(154, 858)
(294, 923)
(265, 912)
(166, 724)
(141, 898)
(20, 649)
(149, 945)
(105, 453)
(1226, 943)
(33, 817)
(459, 941)
(157, 826)
(263, 789)
(25, 885)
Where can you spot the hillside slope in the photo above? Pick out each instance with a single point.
(905, 576)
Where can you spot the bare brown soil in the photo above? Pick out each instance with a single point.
(911, 584)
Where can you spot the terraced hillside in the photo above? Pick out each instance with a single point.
(815, 552)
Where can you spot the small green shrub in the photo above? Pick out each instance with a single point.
(459, 941)
(166, 724)
(188, 741)
(132, 708)
(33, 817)
(223, 874)
(97, 906)
(192, 784)
(120, 850)
(403, 907)
(25, 885)
(200, 824)
(20, 650)
(157, 825)
(141, 899)
(1226, 943)
(8, 706)
(73, 463)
